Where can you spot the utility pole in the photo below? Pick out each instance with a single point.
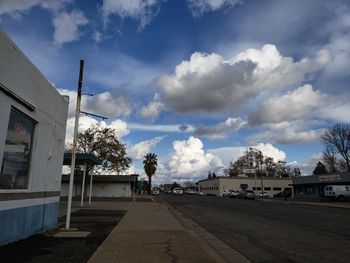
(74, 149)
(262, 185)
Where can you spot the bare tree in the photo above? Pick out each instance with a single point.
(320, 169)
(337, 139)
(329, 157)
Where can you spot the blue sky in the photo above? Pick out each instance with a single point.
(196, 81)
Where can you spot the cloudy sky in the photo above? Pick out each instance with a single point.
(196, 81)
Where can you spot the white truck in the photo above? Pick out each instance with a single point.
(340, 192)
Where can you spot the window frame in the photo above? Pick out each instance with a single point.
(32, 149)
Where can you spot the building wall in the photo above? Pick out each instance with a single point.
(312, 186)
(210, 187)
(112, 190)
(115, 189)
(34, 209)
(219, 185)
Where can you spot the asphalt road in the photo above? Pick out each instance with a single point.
(265, 231)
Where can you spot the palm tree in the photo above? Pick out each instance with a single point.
(150, 164)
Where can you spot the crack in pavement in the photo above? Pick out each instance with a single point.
(168, 250)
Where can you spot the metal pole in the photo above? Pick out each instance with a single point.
(255, 182)
(90, 189)
(262, 184)
(74, 149)
(251, 148)
(134, 192)
(83, 187)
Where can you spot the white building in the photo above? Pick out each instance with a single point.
(270, 185)
(102, 186)
(32, 132)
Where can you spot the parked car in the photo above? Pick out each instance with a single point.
(227, 193)
(240, 194)
(340, 192)
(178, 191)
(283, 194)
(155, 191)
(249, 194)
(263, 195)
(235, 194)
(191, 191)
(199, 193)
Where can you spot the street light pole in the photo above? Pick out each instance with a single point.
(262, 185)
(74, 148)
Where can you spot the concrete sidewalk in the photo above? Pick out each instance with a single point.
(150, 233)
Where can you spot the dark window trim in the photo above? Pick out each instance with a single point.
(14, 96)
(31, 151)
(26, 115)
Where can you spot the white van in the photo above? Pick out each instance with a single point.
(340, 192)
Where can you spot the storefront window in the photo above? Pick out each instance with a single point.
(16, 160)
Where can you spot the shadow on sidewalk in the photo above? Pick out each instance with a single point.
(46, 248)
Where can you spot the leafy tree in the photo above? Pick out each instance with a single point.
(320, 169)
(337, 142)
(150, 164)
(174, 185)
(296, 172)
(210, 175)
(103, 142)
(214, 175)
(282, 170)
(253, 159)
(270, 166)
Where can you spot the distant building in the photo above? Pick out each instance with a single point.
(32, 134)
(270, 185)
(312, 186)
(102, 186)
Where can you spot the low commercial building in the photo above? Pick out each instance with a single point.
(270, 185)
(312, 186)
(32, 134)
(102, 186)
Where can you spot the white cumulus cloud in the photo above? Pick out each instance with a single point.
(67, 26)
(336, 112)
(287, 133)
(139, 10)
(208, 82)
(308, 165)
(189, 160)
(294, 105)
(228, 154)
(152, 110)
(139, 150)
(220, 130)
(105, 104)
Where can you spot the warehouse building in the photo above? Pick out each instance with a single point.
(32, 134)
(102, 186)
(270, 185)
(312, 186)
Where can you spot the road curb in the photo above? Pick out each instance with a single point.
(224, 251)
(330, 205)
